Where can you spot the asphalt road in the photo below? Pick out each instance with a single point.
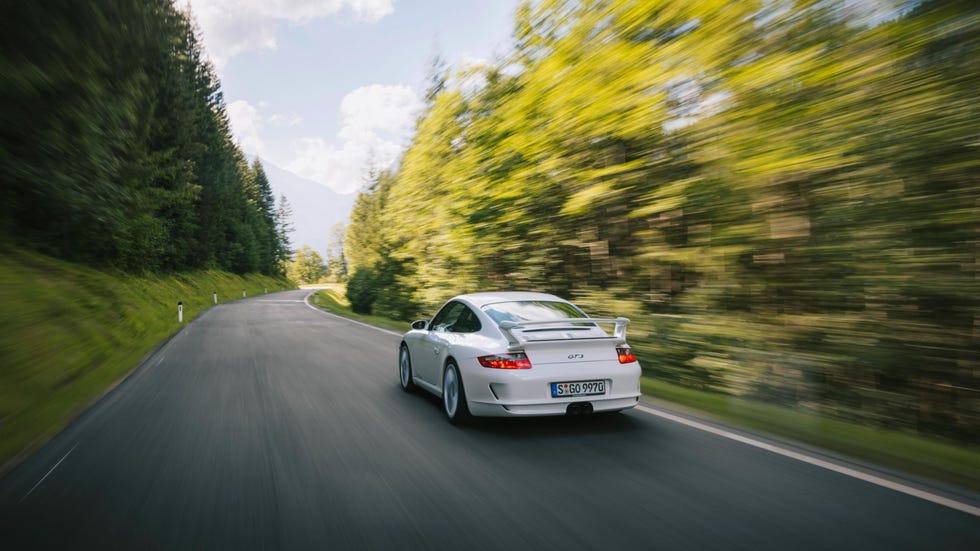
(267, 425)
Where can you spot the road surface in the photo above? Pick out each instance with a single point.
(265, 424)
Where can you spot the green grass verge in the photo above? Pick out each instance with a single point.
(333, 299)
(68, 333)
(910, 453)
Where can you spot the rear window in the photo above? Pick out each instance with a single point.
(532, 310)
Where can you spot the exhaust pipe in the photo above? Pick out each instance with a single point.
(579, 408)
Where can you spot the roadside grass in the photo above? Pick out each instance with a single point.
(68, 333)
(332, 299)
(910, 453)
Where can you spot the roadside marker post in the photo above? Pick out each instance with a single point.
(216, 297)
(243, 293)
(180, 312)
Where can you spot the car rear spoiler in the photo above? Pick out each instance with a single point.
(508, 327)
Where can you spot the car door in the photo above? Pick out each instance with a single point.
(435, 343)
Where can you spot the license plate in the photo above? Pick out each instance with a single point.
(577, 388)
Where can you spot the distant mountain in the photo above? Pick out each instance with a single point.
(316, 208)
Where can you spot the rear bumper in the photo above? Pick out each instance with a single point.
(482, 409)
(511, 393)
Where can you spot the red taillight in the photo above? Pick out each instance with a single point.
(626, 356)
(517, 360)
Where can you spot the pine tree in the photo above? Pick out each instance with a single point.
(284, 226)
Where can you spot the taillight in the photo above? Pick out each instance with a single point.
(517, 360)
(626, 356)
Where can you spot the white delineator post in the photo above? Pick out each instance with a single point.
(243, 293)
(216, 297)
(180, 312)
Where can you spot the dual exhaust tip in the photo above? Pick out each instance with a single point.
(579, 408)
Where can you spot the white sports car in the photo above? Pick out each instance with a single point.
(512, 354)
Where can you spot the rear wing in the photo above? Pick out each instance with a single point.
(514, 331)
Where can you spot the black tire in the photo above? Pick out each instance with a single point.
(454, 396)
(405, 369)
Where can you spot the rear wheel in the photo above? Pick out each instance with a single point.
(454, 395)
(405, 370)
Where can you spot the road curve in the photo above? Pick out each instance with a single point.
(267, 425)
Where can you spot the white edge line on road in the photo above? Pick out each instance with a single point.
(846, 471)
(306, 300)
(49, 472)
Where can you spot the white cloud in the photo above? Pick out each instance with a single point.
(231, 27)
(246, 122)
(376, 121)
(285, 120)
(388, 109)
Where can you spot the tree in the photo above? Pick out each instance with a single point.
(364, 239)
(259, 193)
(307, 266)
(74, 94)
(362, 290)
(284, 226)
(336, 261)
(782, 197)
(116, 149)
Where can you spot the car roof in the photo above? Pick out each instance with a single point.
(482, 299)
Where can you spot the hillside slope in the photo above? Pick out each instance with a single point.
(68, 333)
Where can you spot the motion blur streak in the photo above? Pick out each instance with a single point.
(782, 196)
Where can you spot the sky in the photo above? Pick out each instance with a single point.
(329, 88)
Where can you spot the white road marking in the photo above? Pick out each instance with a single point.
(307, 301)
(846, 471)
(49, 472)
(278, 300)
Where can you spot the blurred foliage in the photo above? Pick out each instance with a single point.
(306, 266)
(115, 148)
(362, 291)
(783, 196)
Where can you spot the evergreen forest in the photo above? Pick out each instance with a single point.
(115, 147)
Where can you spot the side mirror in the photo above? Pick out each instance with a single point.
(420, 324)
